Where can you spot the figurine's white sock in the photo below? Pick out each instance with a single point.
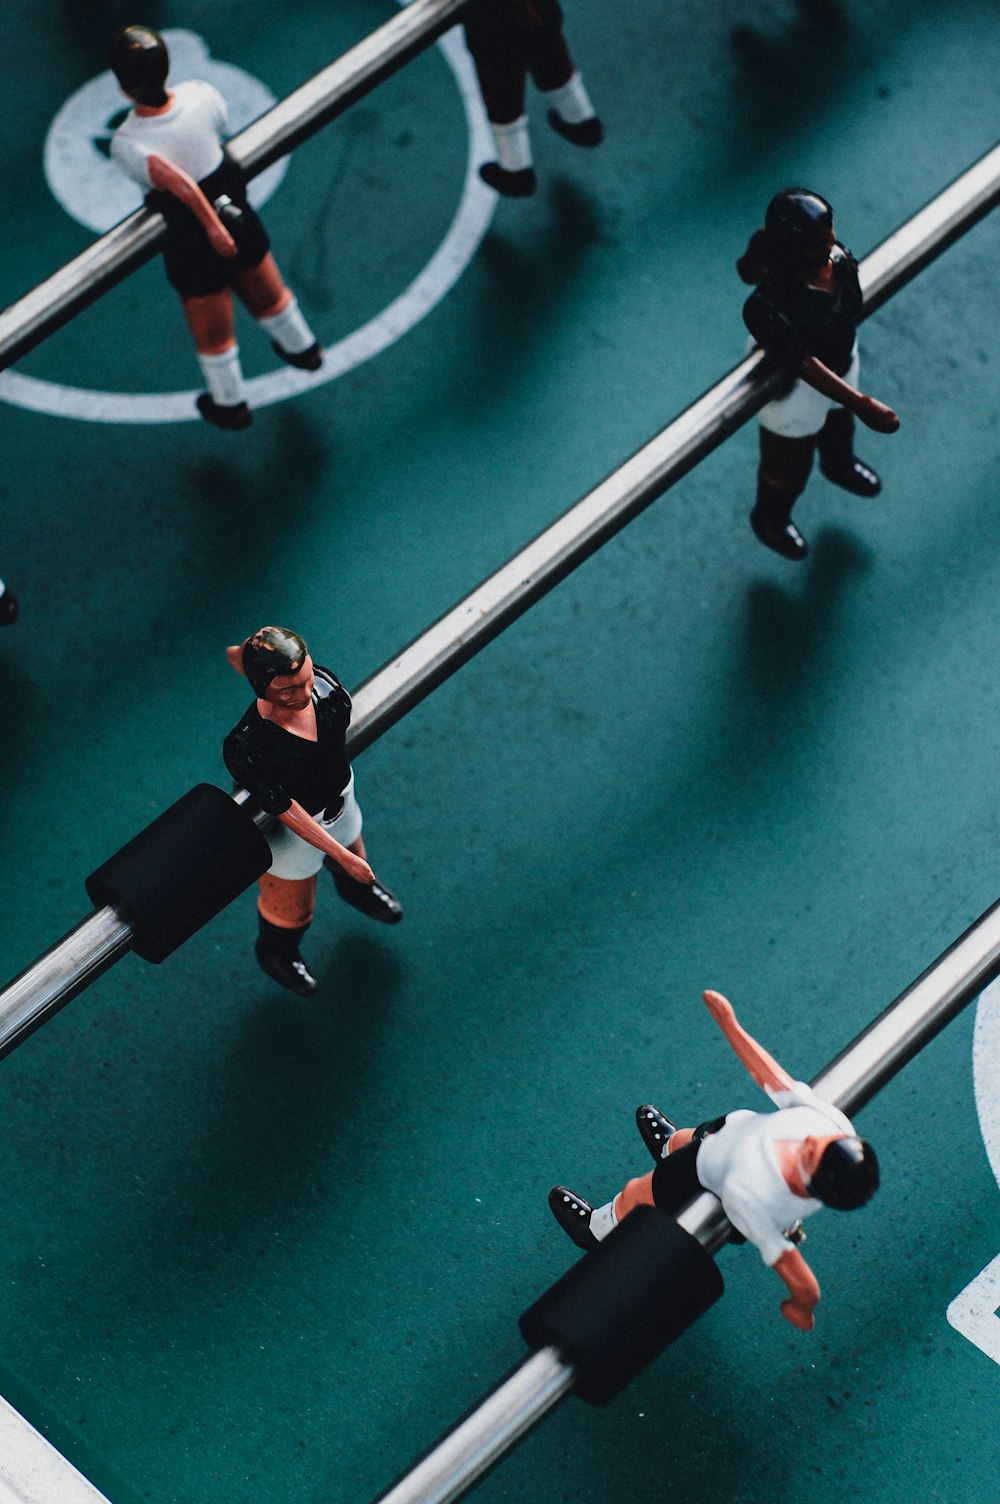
(572, 102)
(513, 145)
(289, 329)
(603, 1220)
(223, 377)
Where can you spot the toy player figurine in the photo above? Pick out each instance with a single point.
(769, 1170)
(509, 39)
(805, 310)
(171, 143)
(288, 750)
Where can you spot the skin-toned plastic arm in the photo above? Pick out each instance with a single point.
(803, 1290)
(873, 414)
(763, 1067)
(164, 175)
(303, 824)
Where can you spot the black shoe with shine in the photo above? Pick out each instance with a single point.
(781, 536)
(303, 360)
(573, 1215)
(581, 133)
(370, 899)
(220, 415)
(654, 1129)
(509, 184)
(277, 953)
(852, 475)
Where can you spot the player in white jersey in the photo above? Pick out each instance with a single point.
(171, 144)
(769, 1170)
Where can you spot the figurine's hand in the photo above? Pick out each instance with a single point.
(221, 241)
(876, 415)
(800, 1316)
(355, 866)
(720, 1007)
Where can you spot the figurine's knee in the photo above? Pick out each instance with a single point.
(210, 320)
(785, 462)
(638, 1192)
(288, 903)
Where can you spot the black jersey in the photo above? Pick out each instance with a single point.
(277, 766)
(793, 321)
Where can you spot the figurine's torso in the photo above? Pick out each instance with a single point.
(277, 766)
(188, 134)
(792, 319)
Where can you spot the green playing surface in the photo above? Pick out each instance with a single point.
(258, 1248)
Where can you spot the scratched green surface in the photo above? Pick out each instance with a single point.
(257, 1248)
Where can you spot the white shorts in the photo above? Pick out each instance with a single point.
(291, 857)
(803, 412)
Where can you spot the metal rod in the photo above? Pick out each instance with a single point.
(473, 623)
(30, 320)
(470, 625)
(849, 1081)
(472, 1447)
(65, 969)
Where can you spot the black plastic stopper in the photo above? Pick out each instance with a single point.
(624, 1302)
(180, 871)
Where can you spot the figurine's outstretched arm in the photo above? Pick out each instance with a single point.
(873, 414)
(165, 176)
(763, 1067)
(235, 656)
(803, 1289)
(303, 824)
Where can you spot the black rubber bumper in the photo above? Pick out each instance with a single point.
(180, 871)
(624, 1302)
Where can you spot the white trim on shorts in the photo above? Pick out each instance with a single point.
(803, 412)
(292, 857)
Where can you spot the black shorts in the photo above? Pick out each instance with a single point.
(193, 268)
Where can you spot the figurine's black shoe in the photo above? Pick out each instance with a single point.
(277, 953)
(303, 360)
(371, 899)
(219, 415)
(581, 133)
(573, 1215)
(8, 608)
(852, 475)
(654, 1129)
(509, 184)
(780, 535)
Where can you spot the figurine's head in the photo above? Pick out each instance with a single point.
(272, 653)
(140, 62)
(846, 1175)
(798, 230)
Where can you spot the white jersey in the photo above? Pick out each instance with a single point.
(739, 1164)
(188, 134)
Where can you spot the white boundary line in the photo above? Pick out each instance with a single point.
(33, 1472)
(973, 1312)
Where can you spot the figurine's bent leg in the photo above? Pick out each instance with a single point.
(272, 303)
(371, 899)
(499, 52)
(785, 464)
(837, 459)
(285, 909)
(210, 319)
(570, 112)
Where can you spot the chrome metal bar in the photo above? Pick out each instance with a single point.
(470, 625)
(849, 1081)
(473, 623)
(65, 969)
(306, 110)
(462, 1456)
